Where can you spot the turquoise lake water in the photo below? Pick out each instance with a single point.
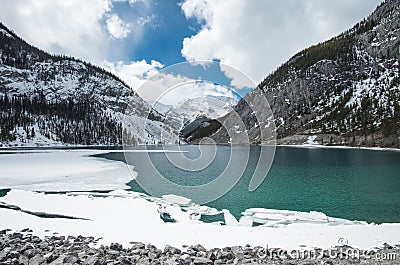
(353, 184)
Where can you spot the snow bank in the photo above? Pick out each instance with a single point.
(124, 217)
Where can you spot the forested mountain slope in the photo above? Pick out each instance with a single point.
(47, 100)
(344, 91)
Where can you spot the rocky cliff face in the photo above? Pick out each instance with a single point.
(343, 91)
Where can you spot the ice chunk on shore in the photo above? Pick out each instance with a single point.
(278, 218)
(175, 199)
(246, 221)
(229, 218)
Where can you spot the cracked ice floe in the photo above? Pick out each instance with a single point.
(281, 218)
(123, 217)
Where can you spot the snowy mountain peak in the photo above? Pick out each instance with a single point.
(209, 106)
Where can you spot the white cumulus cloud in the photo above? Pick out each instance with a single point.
(174, 89)
(257, 36)
(154, 85)
(133, 73)
(82, 29)
(69, 27)
(117, 28)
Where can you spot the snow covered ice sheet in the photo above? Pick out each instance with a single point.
(127, 216)
(61, 171)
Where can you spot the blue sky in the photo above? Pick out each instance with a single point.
(163, 34)
(136, 39)
(161, 40)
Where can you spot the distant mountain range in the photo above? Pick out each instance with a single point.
(187, 110)
(344, 91)
(189, 115)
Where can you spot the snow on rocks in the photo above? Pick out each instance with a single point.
(25, 248)
(311, 140)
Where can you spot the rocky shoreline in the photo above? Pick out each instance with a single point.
(25, 248)
(375, 141)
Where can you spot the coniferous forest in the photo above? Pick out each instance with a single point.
(64, 121)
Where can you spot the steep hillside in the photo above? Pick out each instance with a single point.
(344, 91)
(47, 100)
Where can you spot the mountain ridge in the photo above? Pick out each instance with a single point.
(56, 100)
(344, 91)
